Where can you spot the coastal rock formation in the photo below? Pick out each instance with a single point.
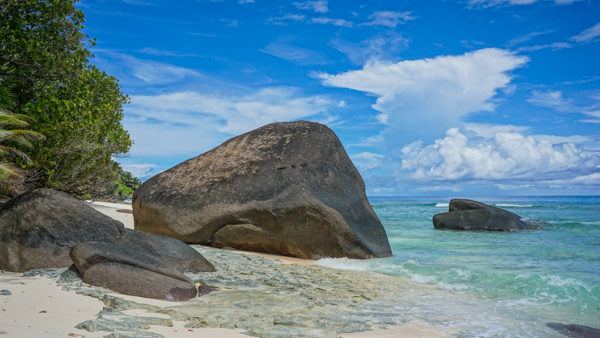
(127, 270)
(285, 188)
(39, 227)
(168, 251)
(575, 330)
(467, 214)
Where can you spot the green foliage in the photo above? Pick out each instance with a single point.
(44, 57)
(14, 138)
(125, 185)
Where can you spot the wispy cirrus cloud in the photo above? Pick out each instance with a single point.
(133, 70)
(284, 49)
(390, 19)
(385, 46)
(332, 21)
(588, 35)
(318, 6)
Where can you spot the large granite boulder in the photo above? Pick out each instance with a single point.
(467, 214)
(127, 270)
(39, 228)
(285, 188)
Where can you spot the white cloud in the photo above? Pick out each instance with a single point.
(555, 100)
(230, 114)
(243, 2)
(382, 46)
(551, 99)
(331, 21)
(389, 19)
(130, 69)
(366, 161)
(503, 156)
(283, 49)
(319, 6)
(588, 34)
(284, 19)
(139, 170)
(491, 3)
(435, 92)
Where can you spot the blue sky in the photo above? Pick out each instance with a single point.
(474, 97)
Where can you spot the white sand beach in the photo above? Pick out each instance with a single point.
(37, 306)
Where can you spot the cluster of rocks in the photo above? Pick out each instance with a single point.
(286, 188)
(47, 228)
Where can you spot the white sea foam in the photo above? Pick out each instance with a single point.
(509, 205)
(343, 264)
(441, 205)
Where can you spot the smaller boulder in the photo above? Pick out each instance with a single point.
(126, 269)
(39, 227)
(169, 251)
(467, 214)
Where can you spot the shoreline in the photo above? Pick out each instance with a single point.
(42, 303)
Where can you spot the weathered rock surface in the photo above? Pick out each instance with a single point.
(127, 270)
(467, 214)
(38, 228)
(168, 251)
(285, 188)
(575, 330)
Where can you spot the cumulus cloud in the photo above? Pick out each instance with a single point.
(319, 6)
(390, 19)
(508, 155)
(427, 96)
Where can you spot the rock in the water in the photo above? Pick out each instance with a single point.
(575, 330)
(466, 214)
(127, 270)
(38, 228)
(285, 188)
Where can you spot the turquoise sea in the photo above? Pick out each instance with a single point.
(547, 275)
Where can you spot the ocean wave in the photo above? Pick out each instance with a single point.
(441, 205)
(510, 205)
(343, 264)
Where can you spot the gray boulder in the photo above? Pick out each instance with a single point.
(467, 214)
(285, 188)
(167, 250)
(127, 270)
(39, 227)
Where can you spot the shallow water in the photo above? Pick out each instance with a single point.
(550, 274)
